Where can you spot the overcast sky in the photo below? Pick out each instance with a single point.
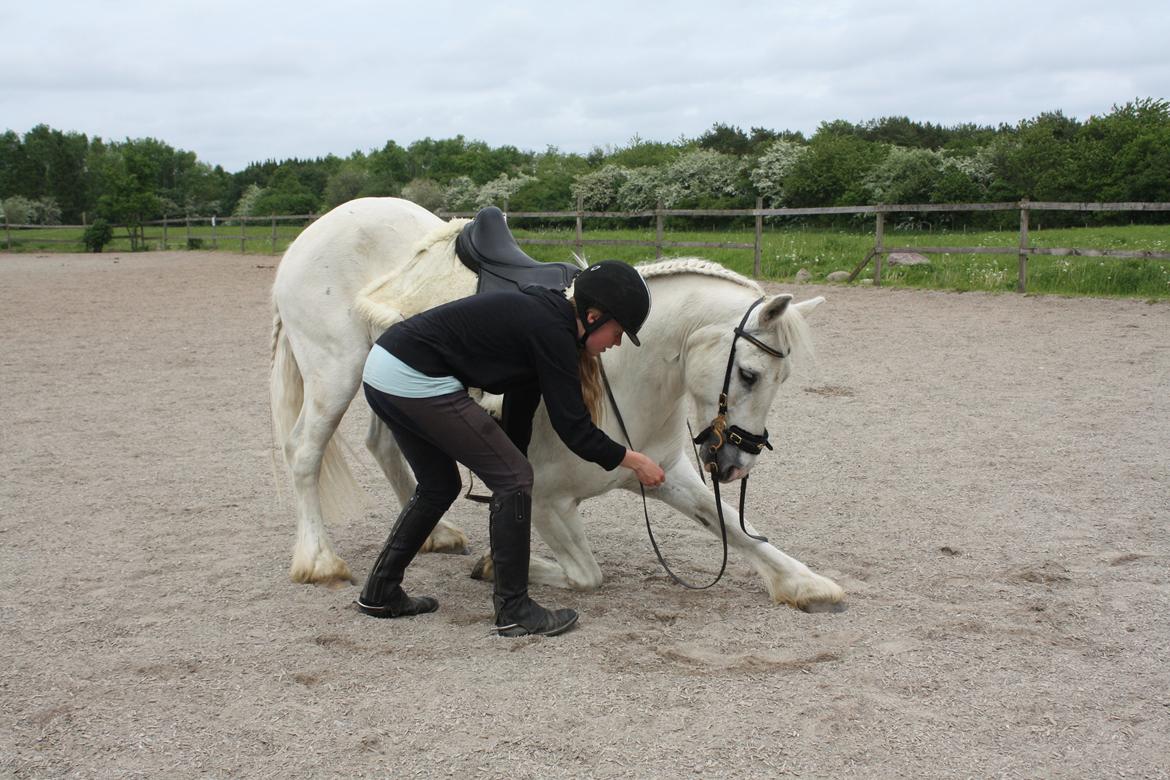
(237, 82)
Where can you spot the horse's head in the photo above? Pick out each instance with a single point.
(735, 367)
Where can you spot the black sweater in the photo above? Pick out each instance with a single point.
(521, 344)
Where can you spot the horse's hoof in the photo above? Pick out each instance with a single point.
(825, 607)
(329, 571)
(446, 539)
(483, 568)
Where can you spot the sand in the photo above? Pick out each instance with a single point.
(988, 476)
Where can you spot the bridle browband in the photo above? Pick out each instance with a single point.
(746, 441)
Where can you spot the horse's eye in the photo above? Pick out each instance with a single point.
(749, 377)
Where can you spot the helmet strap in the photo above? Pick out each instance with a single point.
(592, 326)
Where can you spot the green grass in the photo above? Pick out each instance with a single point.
(821, 251)
(223, 237)
(785, 251)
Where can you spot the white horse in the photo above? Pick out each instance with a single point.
(374, 261)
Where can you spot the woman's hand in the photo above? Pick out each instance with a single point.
(646, 470)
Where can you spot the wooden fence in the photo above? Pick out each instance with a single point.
(1023, 249)
(879, 252)
(175, 232)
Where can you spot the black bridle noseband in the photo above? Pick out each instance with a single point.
(748, 442)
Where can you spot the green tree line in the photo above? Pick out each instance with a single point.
(49, 176)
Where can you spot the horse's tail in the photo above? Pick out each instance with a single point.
(339, 492)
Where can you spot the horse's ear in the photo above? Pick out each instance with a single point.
(774, 308)
(804, 307)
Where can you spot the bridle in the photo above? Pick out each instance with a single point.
(748, 442)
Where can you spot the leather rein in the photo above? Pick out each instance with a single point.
(746, 441)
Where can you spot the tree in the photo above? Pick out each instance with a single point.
(832, 171)
(1036, 159)
(551, 185)
(126, 184)
(702, 178)
(905, 175)
(499, 191)
(285, 194)
(642, 188)
(97, 235)
(388, 169)
(246, 205)
(425, 192)
(773, 168)
(461, 194)
(349, 182)
(727, 139)
(599, 189)
(643, 154)
(1125, 155)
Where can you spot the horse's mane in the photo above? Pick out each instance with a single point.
(695, 265)
(793, 325)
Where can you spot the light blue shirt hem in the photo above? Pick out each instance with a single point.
(390, 375)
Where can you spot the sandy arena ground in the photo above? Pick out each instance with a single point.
(987, 475)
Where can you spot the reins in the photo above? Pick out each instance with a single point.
(646, 509)
(746, 441)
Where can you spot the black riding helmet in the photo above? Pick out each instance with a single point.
(616, 290)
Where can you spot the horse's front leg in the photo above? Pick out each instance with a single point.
(788, 580)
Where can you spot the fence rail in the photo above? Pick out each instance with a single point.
(1023, 250)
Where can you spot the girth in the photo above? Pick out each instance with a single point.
(487, 247)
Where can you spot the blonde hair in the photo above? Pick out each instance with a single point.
(589, 370)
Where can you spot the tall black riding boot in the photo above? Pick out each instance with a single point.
(383, 596)
(517, 614)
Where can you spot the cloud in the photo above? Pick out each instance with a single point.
(242, 82)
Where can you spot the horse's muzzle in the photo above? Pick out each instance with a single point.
(728, 452)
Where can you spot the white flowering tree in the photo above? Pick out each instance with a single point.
(247, 202)
(774, 165)
(460, 194)
(905, 175)
(698, 177)
(642, 189)
(599, 189)
(500, 190)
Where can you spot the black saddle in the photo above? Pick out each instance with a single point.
(487, 247)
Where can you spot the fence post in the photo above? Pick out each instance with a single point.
(8, 234)
(879, 243)
(273, 234)
(188, 221)
(214, 234)
(164, 246)
(759, 236)
(1022, 280)
(580, 219)
(243, 235)
(658, 220)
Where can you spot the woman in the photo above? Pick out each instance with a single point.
(526, 345)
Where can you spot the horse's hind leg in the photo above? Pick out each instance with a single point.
(381, 444)
(314, 458)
